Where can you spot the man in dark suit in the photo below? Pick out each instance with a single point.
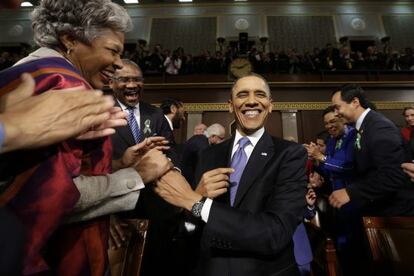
(127, 86)
(250, 215)
(144, 120)
(380, 187)
(192, 148)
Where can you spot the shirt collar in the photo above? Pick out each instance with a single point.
(361, 118)
(124, 107)
(169, 122)
(253, 138)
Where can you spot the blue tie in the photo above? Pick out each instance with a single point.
(238, 163)
(132, 122)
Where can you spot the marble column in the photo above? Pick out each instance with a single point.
(289, 124)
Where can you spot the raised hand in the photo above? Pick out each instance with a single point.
(214, 183)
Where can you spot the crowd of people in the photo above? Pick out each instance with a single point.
(76, 163)
(292, 61)
(288, 61)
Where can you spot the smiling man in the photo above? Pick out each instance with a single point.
(250, 215)
(144, 120)
(380, 187)
(336, 164)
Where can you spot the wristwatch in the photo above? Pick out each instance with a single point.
(196, 209)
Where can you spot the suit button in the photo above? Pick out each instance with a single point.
(131, 184)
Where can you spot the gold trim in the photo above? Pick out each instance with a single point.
(228, 84)
(281, 106)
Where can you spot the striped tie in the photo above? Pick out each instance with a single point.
(132, 122)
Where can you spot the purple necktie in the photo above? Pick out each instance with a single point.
(238, 163)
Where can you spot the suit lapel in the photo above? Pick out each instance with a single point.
(262, 153)
(125, 132)
(362, 133)
(146, 123)
(221, 159)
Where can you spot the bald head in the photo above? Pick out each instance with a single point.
(200, 129)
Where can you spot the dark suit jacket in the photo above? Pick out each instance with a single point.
(150, 116)
(381, 187)
(190, 155)
(163, 216)
(255, 236)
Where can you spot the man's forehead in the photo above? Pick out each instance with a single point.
(250, 83)
(129, 70)
(329, 115)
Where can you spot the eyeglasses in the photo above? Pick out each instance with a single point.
(129, 79)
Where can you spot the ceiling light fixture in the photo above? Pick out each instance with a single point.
(131, 1)
(185, 0)
(26, 4)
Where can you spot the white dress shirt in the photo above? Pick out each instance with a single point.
(169, 122)
(361, 118)
(136, 112)
(254, 138)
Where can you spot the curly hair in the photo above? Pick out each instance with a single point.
(85, 20)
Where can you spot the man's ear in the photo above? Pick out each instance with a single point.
(111, 83)
(271, 105)
(230, 103)
(173, 109)
(356, 102)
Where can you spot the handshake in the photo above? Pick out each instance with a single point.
(153, 165)
(147, 158)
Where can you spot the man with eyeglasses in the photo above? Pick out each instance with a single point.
(337, 166)
(144, 120)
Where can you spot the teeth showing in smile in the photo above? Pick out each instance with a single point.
(251, 113)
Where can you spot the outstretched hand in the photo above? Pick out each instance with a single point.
(32, 121)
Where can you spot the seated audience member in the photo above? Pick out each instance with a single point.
(407, 132)
(199, 129)
(193, 147)
(249, 216)
(173, 64)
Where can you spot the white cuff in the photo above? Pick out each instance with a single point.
(205, 211)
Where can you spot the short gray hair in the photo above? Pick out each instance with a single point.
(83, 19)
(129, 62)
(215, 129)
